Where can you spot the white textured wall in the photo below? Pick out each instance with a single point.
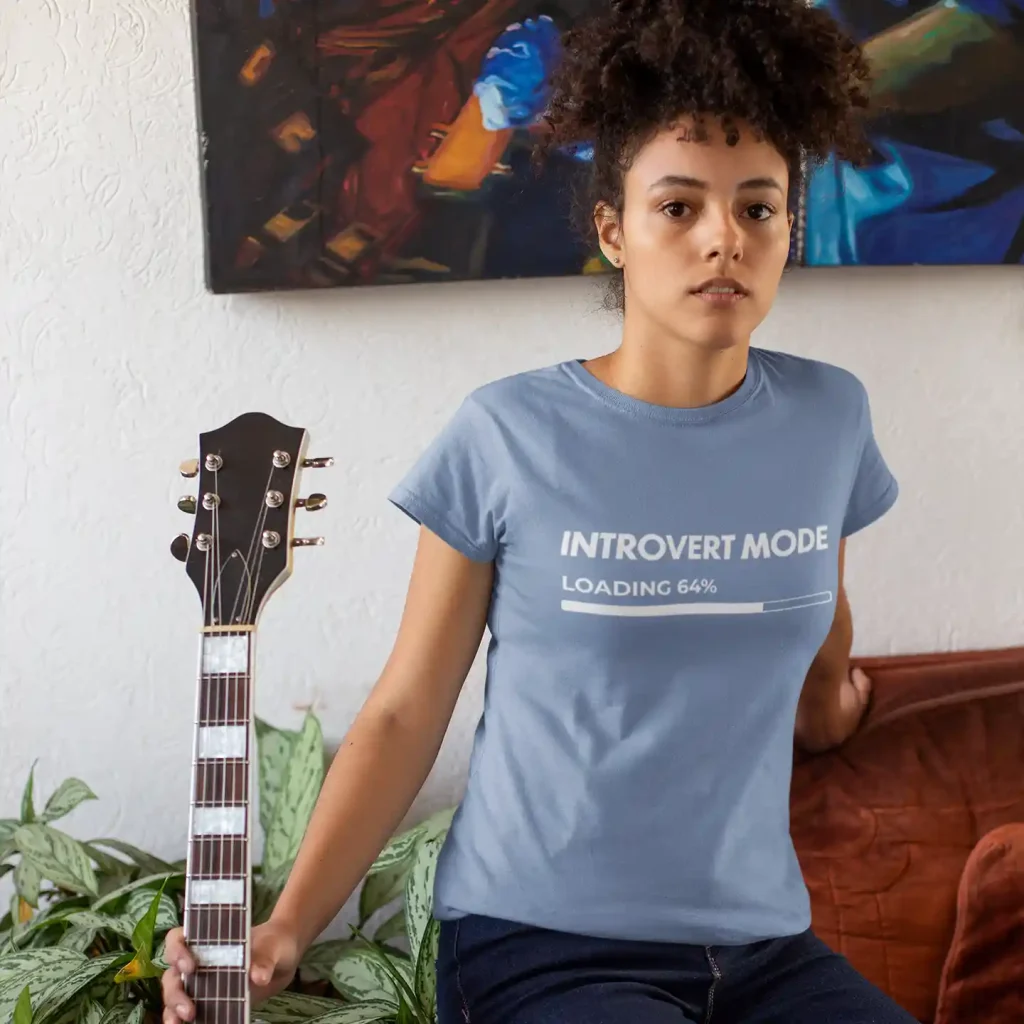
(113, 358)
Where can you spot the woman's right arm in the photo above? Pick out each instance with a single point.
(378, 770)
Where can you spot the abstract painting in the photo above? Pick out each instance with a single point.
(387, 141)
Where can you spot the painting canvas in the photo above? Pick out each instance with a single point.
(386, 141)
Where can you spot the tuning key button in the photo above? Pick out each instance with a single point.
(307, 542)
(313, 503)
(179, 547)
(189, 468)
(317, 463)
(187, 503)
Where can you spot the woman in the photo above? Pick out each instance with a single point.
(655, 538)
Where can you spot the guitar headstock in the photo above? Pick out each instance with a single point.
(240, 548)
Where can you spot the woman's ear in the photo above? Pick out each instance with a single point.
(609, 233)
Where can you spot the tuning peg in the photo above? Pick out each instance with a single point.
(313, 503)
(187, 503)
(189, 468)
(317, 463)
(307, 542)
(179, 547)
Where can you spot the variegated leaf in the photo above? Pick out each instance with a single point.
(138, 1015)
(91, 1012)
(146, 862)
(79, 939)
(97, 920)
(58, 995)
(28, 877)
(370, 1012)
(292, 1008)
(119, 1014)
(322, 956)
(392, 928)
(139, 903)
(8, 826)
(300, 788)
(61, 859)
(426, 969)
(40, 969)
(275, 750)
(173, 879)
(399, 851)
(67, 796)
(419, 892)
(359, 974)
(382, 888)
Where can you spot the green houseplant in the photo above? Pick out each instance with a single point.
(83, 938)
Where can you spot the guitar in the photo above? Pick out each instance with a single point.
(239, 552)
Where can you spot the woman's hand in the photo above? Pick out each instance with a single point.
(275, 958)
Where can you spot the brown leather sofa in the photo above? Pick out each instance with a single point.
(911, 836)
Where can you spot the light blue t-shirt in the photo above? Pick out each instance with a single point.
(663, 580)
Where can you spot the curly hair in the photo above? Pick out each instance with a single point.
(786, 69)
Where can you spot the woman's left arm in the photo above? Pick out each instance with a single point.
(834, 699)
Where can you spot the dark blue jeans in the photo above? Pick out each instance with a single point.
(495, 972)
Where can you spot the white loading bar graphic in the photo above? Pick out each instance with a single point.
(649, 611)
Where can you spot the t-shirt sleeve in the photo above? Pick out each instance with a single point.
(874, 489)
(454, 489)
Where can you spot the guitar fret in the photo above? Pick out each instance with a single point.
(223, 698)
(221, 781)
(217, 857)
(223, 984)
(215, 925)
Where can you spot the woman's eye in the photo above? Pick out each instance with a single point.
(760, 211)
(675, 209)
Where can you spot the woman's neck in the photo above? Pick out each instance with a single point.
(673, 372)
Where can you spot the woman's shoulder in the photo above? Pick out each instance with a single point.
(517, 393)
(810, 378)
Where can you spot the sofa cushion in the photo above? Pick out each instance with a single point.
(883, 826)
(983, 977)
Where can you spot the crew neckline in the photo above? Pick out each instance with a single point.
(640, 409)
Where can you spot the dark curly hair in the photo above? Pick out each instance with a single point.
(786, 69)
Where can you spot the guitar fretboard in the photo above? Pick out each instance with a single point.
(218, 875)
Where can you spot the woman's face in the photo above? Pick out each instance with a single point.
(704, 234)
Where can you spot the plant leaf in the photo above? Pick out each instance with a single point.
(299, 790)
(292, 1008)
(382, 888)
(91, 1012)
(62, 992)
(27, 879)
(119, 1014)
(38, 968)
(322, 956)
(358, 974)
(79, 939)
(62, 860)
(23, 1008)
(172, 880)
(96, 920)
(28, 811)
(8, 826)
(426, 969)
(392, 928)
(140, 903)
(400, 850)
(149, 864)
(275, 750)
(138, 1015)
(67, 796)
(419, 892)
(142, 937)
(369, 1012)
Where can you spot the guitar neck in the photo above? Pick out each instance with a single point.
(218, 882)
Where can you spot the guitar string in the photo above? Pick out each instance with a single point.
(225, 680)
(257, 533)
